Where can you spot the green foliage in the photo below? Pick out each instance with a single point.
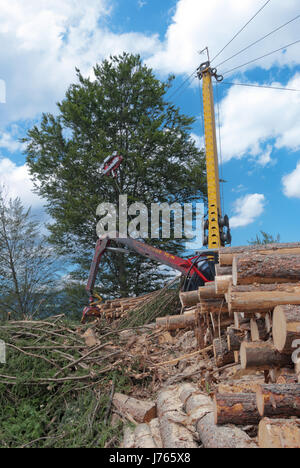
(264, 238)
(28, 265)
(124, 109)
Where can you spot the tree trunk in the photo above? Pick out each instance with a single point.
(223, 271)
(141, 411)
(214, 306)
(173, 433)
(297, 369)
(221, 353)
(262, 297)
(189, 299)
(155, 432)
(199, 408)
(262, 356)
(227, 254)
(128, 438)
(279, 433)
(209, 292)
(286, 327)
(143, 437)
(175, 322)
(258, 330)
(235, 338)
(222, 284)
(278, 401)
(241, 386)
(213, 436)
(253, 268)
(239, 409)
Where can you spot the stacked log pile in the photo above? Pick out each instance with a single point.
(119, 308)
(251, 317)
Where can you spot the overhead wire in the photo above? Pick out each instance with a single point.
(259, 58)
(250, 85)
(241, 30)
(182, 85)
(259, 40)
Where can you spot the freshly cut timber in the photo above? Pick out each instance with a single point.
(262, 297)
(189, 299)
(241, 386)
(258, 330)
(221, 352)
(286, 327)
(235, 338)
(255, 268)
(143, 437)
(281, 376)
(236, 408)
(279, 433)
(214, 306)
(223, 271)
(227, 254)
(208, 292)
(141, 411)
(199, 408)
(278, 401)
(174, 322)
(222, 284)
(262, 356)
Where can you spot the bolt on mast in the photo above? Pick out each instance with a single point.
(214, 234)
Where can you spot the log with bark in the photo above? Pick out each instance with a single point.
(282, 376)
(297, 369)
(227, 254)
(173, 432)
(208, 292)
(222, 284)
(214, 306)
(278, 401)
(241, 386)
(223, 271)
(235, 337)
(253, 268)
(236, 408)
(279, 433)
(141, 411)
(286, 327)
(222, 355)
(174, 322)
(262, 356)
(262, 297)
(189, 299)
(199, 408)
(143, 438)
(258, 330)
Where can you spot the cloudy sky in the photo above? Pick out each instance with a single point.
(43, 41)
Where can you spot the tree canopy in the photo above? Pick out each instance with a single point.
(124, 108)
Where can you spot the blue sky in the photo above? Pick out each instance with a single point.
(43, 41)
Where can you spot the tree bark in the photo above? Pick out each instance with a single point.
(227, 254)
(278, 401)
(143, 437)
(174, 322)
(279, 433)
(189, 299)
(253, 268)
(221, 352)
(235, 338)
(241, 386)
(286, 327)
(262, 297)
(222, 284)
(141, 411)
(258, 330)
(239, 409)
(223, 271)
(209, 292)
(199, 408)
(128, 438)
(262, 356)
(214, 306)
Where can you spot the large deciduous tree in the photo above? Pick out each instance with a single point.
(124, 109)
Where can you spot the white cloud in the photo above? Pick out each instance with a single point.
(197, 24)
(264, 115)
(247, 209)
(199, 141)
(46, 40)
(17, 180)
(291, 183)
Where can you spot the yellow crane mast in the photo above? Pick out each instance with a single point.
(214, 232)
